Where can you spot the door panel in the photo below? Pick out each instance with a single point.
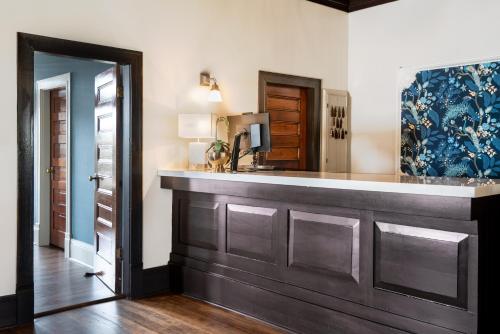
(287, 108)
(107, 178)
(58, 140)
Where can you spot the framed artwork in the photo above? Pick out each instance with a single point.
(450, 122)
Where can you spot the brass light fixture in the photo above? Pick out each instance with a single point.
(207, 80)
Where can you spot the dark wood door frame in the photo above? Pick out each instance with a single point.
(27, 45)
(313, 87)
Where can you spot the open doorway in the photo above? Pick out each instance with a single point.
(80, 175)
(74, 142)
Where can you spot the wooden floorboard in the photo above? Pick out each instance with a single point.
(165, 314)
(60, 283)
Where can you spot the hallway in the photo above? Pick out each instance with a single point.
(60, 282)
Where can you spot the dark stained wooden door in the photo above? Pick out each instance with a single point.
(287, 108)
(107, 178)
(58, 141)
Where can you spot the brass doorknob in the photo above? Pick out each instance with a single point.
(49, 170)
(93, 177)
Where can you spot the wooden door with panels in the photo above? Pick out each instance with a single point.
(287, 108)
(107, 177)
(58, 163)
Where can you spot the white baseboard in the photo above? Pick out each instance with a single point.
(82, 253)
(67, 243)
(36, 231)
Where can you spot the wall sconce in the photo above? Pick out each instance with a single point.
(207, 80)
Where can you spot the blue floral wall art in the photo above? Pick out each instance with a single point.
(450, 122)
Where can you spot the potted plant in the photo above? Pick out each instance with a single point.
(218, 153)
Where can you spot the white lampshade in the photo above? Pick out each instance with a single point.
(195, 126)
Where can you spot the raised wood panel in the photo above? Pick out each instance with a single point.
(324, 243)
(285, 141)
(198, 223)
(284, 116)
(284, 129)
(282, 103)
(421, 262)
(286, 153)
(279, 90)
(250, 231)
(58, 164)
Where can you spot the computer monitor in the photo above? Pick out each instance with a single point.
(259, 140)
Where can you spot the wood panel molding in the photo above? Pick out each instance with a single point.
(351, 5)
(199, 224)
(422, 262)
(323, 243)
(410, 264)
(250, 231)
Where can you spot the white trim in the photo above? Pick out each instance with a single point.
(36, 231)
(41, 91)
(404, 73)
(82, 252)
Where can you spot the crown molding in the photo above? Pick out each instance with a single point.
(351, 5)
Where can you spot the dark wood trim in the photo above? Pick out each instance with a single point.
(419, 205)
(355, 5)
(8, 311)
(337, 4)
(351, 5)
(28, 44)
(264, 304)
(313, 108)
(156, 281)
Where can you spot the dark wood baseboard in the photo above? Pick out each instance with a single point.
(25, 305)
(155, 281)
(267, 305)
(8, 311)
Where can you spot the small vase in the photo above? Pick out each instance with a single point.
(217, 160)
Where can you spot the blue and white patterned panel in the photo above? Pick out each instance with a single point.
(450, 122)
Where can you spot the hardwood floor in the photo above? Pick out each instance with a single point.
(166, 314)
(60, 283)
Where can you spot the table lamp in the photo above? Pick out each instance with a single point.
(196, 126)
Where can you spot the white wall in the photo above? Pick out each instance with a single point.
(179, 38)
(408, 33)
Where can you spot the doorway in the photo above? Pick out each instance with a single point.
(117, 168)
(66, 150)
(294, 107)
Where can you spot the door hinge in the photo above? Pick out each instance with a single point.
(119, 253)
(119, 92)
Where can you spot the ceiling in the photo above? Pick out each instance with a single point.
(351, 5)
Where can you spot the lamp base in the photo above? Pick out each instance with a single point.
(198, 155)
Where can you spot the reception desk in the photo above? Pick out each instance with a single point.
(338, 253)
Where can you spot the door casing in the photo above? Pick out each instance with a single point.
(27, 45)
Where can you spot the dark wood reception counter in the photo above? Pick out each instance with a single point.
(338, 253)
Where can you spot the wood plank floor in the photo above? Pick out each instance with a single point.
(166, 314)
(60, 283)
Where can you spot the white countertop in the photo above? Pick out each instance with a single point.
(438, 186)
